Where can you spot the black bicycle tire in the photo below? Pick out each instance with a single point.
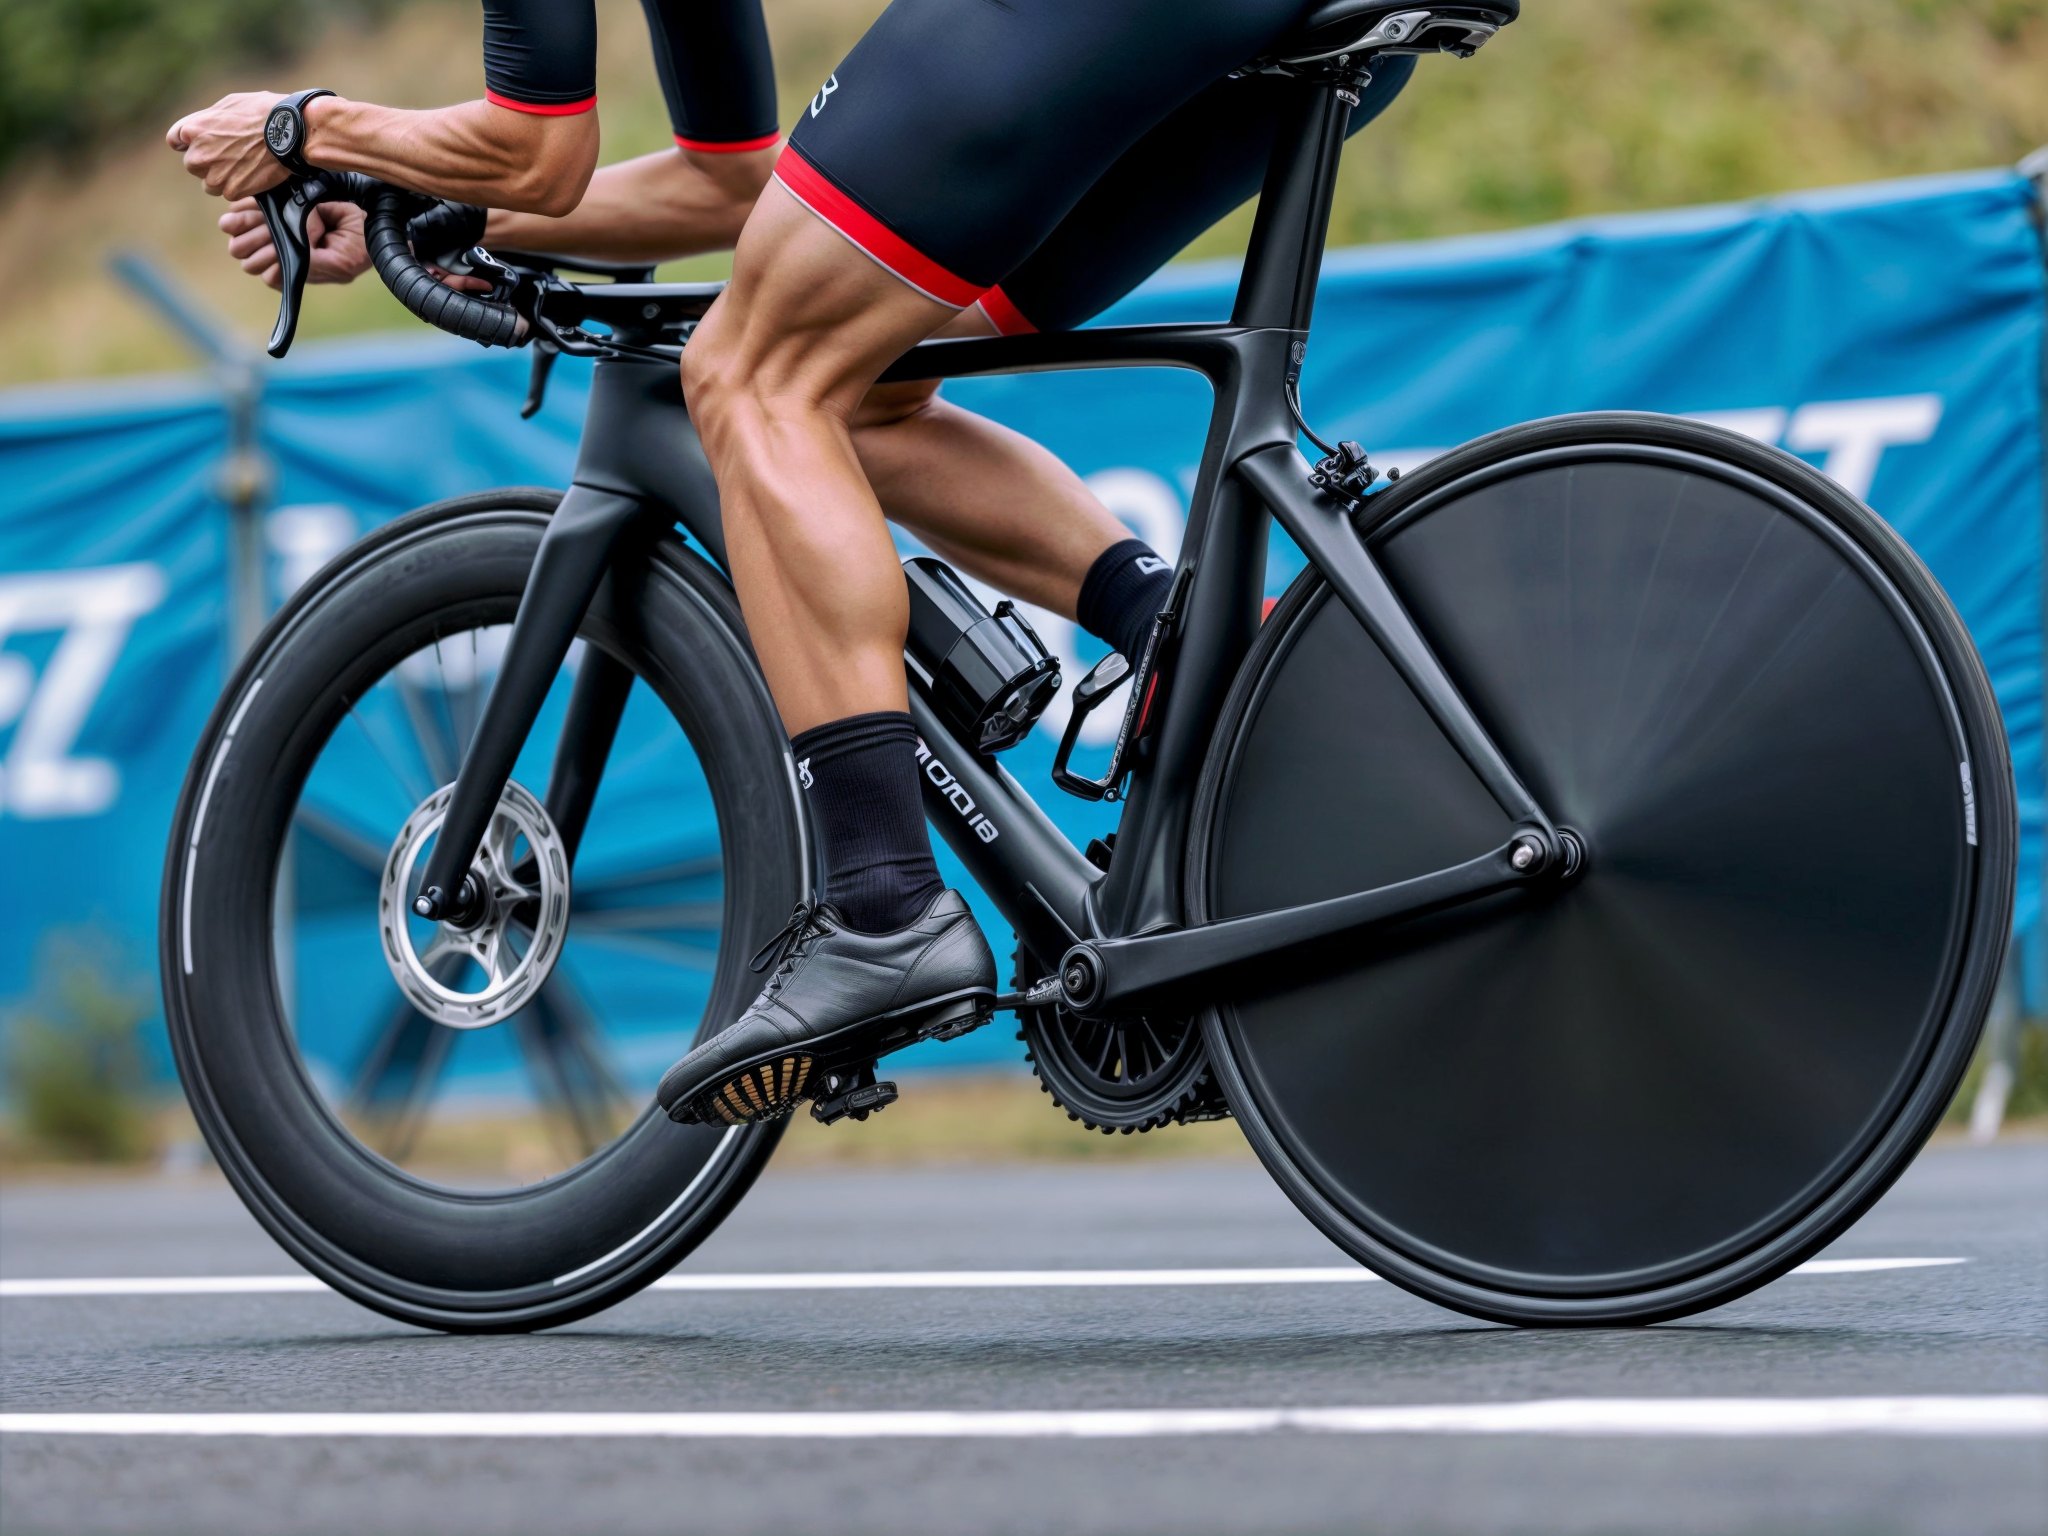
(678, 615)
(1972, 970)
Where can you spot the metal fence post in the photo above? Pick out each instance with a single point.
(245, 477)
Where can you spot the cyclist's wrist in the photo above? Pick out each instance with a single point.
(328, 119)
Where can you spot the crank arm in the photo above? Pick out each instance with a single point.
(1110, 976)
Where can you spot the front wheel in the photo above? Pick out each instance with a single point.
(457, 1128)
(1646, 1090)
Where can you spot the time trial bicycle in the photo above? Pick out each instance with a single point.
(1585, 887)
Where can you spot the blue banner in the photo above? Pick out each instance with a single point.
(1892, 335)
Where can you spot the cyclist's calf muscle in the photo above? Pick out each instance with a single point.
(774, 375)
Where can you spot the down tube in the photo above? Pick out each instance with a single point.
(1030, 871)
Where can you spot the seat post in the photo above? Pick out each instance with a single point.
(1284, 261)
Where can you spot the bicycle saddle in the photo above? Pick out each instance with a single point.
(1388, 26)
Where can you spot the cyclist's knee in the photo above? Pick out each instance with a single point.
(706, 368)
(885, 405)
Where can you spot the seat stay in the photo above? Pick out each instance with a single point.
(1321, 527)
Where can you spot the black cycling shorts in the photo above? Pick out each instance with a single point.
(1042, 157)
(712, 56)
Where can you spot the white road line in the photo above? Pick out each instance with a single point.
(1724, 1417)
(1009, 1279)
(853, 1280)
(196, 1285)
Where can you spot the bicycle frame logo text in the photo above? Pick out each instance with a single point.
(943, 781)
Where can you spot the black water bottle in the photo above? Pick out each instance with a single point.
(989, 674)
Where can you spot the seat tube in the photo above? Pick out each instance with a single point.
(1285, 257)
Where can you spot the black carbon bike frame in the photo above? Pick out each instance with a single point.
(1119, 936)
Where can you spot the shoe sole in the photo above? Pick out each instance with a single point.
(771, 1084)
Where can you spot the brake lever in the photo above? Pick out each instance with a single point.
(286, 208)
(544, 354)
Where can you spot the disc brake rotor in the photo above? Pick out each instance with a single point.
(518, 934)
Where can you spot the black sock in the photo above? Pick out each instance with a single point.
(861, 773)
(1122, 594)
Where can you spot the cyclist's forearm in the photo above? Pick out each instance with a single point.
(654, 208)
(477, 152)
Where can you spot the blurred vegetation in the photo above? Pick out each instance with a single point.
(1591, 106)
(1583, 106)
(74, 73)
(77, 1070)
(2028, 1098)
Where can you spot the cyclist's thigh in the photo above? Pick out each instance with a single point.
(958, 133)
(1175, 182)
(717, 73)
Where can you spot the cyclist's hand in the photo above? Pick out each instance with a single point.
(223, 145)
(333, 230)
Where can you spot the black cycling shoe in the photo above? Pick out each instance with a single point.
(838, 999)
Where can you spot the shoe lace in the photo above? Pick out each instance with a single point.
(789, 946)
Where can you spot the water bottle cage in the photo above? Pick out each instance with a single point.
(1104, 679)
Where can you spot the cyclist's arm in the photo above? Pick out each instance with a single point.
(478, 152)
(675, 202)
(530, 145)
(655, 208)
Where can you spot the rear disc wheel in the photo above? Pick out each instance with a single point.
(1643, 1091)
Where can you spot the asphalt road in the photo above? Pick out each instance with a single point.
(1975, 1330)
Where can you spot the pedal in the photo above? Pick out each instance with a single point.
(851, 1093)
(963, 1020)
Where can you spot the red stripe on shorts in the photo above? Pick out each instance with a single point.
(711, 147)
(542, 108)
(899, 256)
(1006, 317)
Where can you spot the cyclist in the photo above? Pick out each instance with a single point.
(1069, 210)
(1027, 160)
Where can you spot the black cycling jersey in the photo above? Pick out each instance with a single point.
(1041, 157)
(712, 56)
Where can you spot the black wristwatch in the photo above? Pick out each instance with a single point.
(285, 130)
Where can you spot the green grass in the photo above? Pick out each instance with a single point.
(1580, 107)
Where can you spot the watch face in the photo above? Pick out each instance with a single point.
(281, 132)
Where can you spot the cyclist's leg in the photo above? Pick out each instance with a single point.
(954, 138)
(773, 375)
(981, 496)
(949, 144)
(994, 502)
(1205, 160)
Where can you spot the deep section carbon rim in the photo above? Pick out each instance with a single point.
(1677, 1075)
(514, 1175)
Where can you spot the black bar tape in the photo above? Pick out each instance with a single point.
(461, 314)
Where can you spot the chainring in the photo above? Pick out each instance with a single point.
(1117, 1075)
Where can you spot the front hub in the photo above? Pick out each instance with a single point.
(505, 934)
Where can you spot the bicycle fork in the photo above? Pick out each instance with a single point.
(574, 555)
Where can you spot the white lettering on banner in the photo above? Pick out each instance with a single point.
(1765, 424)
(304, 538)
(1855, 433)
(95, 609)
(1852, 434)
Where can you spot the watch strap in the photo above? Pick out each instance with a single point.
(285, 132)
